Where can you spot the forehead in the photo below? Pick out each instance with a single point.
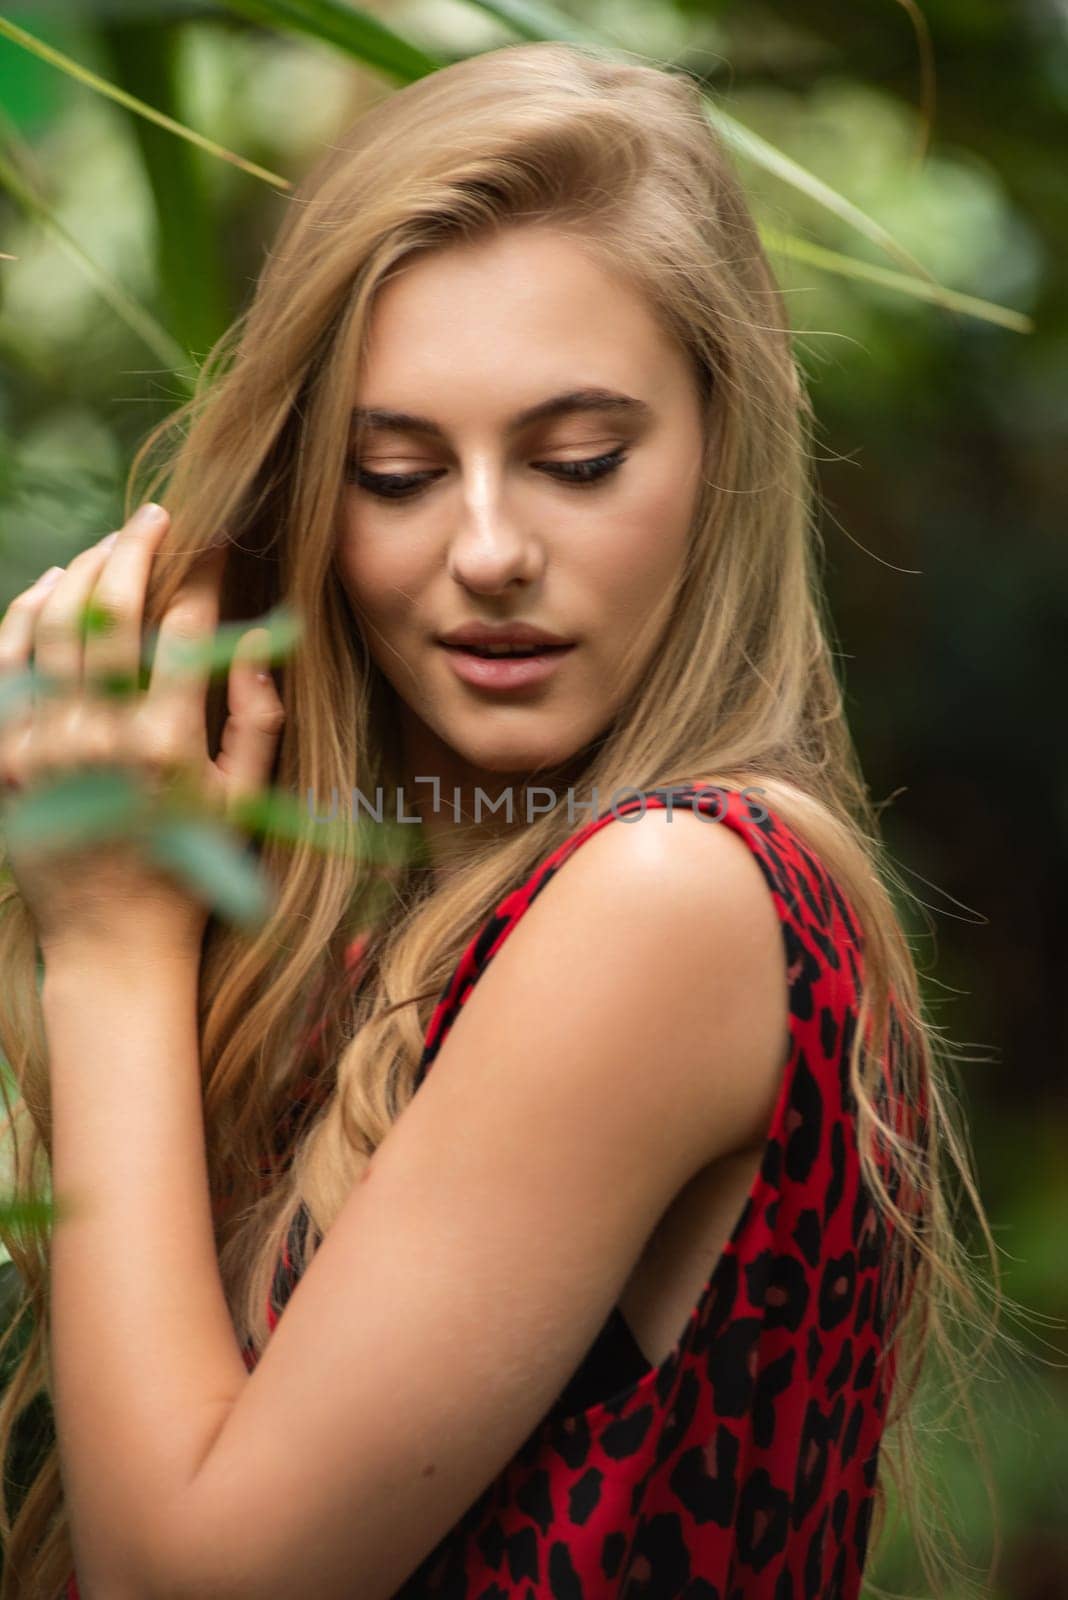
(516, 317)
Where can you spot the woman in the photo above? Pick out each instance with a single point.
(644, 1264)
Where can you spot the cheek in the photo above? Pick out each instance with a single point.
(640, 549)
(382, 574)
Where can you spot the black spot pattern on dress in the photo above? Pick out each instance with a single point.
(837, 1185)
(763, 1519)
(522, 1552)
(564, 1581)
(814, 1560)
(536, 1500)
(612, 1553)
(585, 1496)
(730, 1368)
(659, 1564)
(621, 1439)
(841, 1370)
(804, 1124)
(852, 1432)
(678, 1420)
(706, 1480)
(818, 1434)
(865, 1371)
(838, 1287)
(773, 1381)
(807, 1236)
(787, 1294)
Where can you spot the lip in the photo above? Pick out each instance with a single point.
(484, 673)
(519, 635)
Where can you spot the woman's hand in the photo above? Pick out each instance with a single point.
(110, 891)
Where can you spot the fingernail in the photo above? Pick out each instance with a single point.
(107, 542)
(263, 677)
(48, 579)
(148, 515)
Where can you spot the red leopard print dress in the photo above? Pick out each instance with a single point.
(743, 1465)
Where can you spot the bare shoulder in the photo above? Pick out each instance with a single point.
(697, 862)
(661, 928)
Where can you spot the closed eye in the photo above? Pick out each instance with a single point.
(404, 485)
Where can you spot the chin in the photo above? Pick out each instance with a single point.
(516, 757)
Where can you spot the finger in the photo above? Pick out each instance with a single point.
(16, 629)
(255, 722)
(113, 645)
(16, 649)
(178, 683)
(57, 632)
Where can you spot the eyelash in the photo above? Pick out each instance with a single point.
(584, 474)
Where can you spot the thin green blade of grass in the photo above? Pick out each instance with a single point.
(166, 349)
(92, 80)
(818, 255)
(764, 154)
(347, 28)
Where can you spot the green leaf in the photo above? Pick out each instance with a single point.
(141, 322)
(214, 863)
(213, 655)
(277, 814)
(92, 80)
(74, 809)
(351, 30)
(284, 630)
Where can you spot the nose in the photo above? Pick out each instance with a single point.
(490, 549)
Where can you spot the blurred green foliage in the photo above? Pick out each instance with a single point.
(941, 460)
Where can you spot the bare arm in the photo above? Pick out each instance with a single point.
(145, 1360)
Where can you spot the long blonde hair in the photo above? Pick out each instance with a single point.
(740, 688)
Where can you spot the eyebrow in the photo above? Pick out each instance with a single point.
(573, 400)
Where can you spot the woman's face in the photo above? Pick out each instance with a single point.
(490, 528)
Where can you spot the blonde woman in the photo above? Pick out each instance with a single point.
(620, 1297)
